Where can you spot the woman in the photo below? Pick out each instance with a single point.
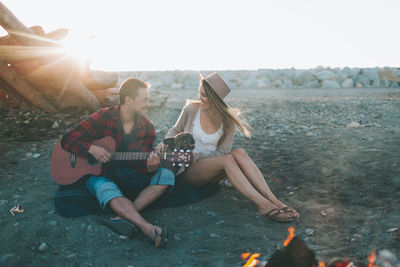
(213, 123)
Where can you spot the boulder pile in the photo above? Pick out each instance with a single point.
(277, 78)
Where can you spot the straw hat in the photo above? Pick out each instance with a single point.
(217, 83)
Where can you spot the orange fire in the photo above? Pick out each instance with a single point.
(251, 262)
(321, 264)
(290, 236)
(371, 259)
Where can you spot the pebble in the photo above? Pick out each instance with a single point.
(177, 237)
(353, 124)
(123, 237)
(211, 213)
(55, 125)
(3, 202)
(386, 258)
(53, 223)
(212, 235)
(43, 247)
(291, 193)
(309, 231)
(29, 155)
(219, 222)
(36, 155)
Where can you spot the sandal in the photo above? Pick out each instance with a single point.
(121, 226)
(164, 238)
(275, 215)
(292, 211)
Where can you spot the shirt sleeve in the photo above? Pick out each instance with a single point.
(180, 123)
(79, 139)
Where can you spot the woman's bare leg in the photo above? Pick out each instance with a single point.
(254, 176)
(207, 169)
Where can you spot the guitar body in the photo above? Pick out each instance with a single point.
(66, 168)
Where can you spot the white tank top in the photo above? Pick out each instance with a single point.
(205, 142)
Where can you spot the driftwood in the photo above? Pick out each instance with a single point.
(24, 88)
(34, 66)
(13, 97)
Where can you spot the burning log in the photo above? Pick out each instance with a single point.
(296, 253)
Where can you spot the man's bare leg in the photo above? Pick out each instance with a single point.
(124, 207)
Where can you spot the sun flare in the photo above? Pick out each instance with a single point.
(82, 50)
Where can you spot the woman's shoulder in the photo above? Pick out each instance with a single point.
(191, 105)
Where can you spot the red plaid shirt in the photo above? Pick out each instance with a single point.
(104, 122)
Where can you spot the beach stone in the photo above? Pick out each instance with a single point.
(386, 258)
(309, 231)
(43, 247)
(348, 83)
(304, 77)
(55, 125)
(353, 124)
(28, 155)
(212, 235)
(36, 155)
(211, 213)
(330, 84)
(123, 237)
(326, 75)
(3, 202)
(53, 223)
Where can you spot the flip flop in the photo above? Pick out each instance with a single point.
(274, 215)
(164, 237)
(296, 215)
(121, 226)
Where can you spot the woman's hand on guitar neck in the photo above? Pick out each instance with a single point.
(100, 154)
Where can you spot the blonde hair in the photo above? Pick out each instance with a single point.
(230, 116)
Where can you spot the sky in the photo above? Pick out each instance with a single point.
(222, 34)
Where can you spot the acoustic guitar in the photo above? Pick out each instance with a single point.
(66, 168)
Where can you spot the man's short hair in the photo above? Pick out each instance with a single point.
(130, 88)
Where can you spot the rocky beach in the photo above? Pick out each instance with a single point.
(326, 140)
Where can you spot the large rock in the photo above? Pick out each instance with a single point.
(389, 74)
(368, 78)
(303, 77)
(330, 84)
(326, 75)
(348, 83)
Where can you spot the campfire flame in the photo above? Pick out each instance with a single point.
(371, 259)
(251, 262)
(290, 236)
(336, 262)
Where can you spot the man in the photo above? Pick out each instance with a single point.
(132, 132)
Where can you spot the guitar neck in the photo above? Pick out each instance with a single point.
(133, 155)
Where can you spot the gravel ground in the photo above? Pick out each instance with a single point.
(332, 154)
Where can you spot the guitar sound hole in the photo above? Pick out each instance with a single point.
(91, 160)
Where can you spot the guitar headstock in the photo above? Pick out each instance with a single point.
(180, 157)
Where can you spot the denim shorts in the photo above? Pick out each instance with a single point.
(126, 182)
